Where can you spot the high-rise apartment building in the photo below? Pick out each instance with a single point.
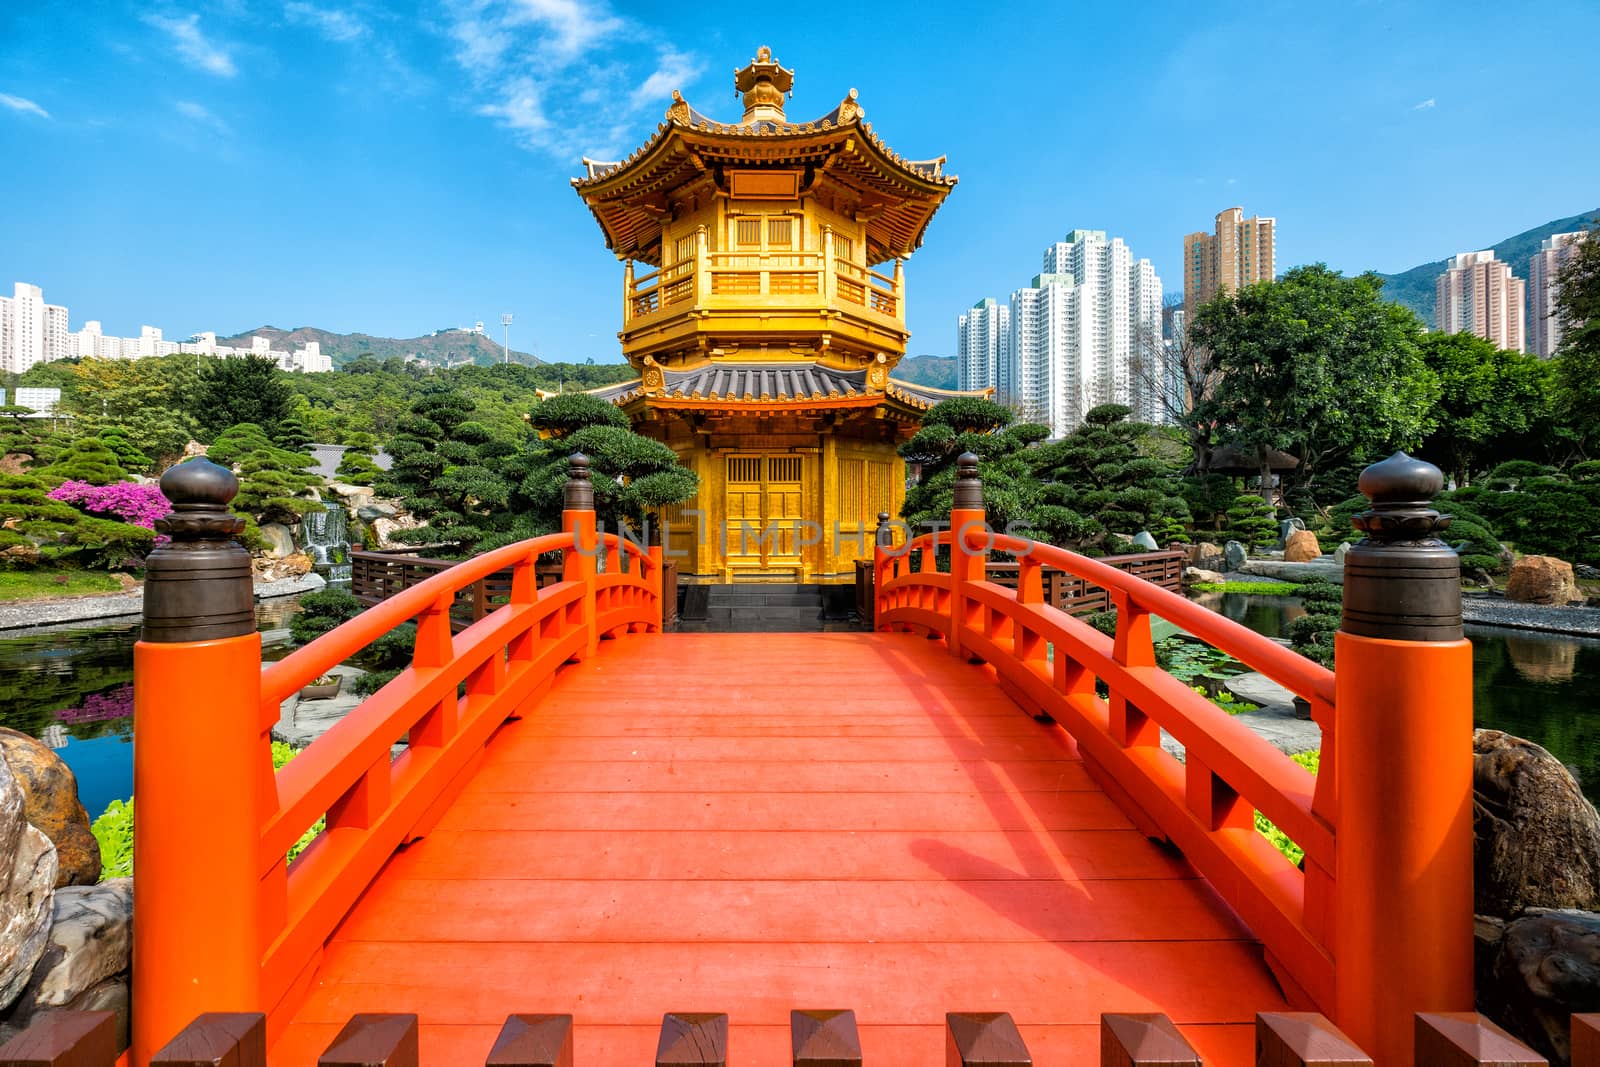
(1074, 333)
(1544, 271)
(983, 335)
(1240, 251)
(1478, 294)
(31, 331)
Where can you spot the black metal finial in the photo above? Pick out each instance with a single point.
(198, 586)
(1401, 490)
(1400, 581)
(969, 487)
(884, 534)
(579, 493)
(199, 491)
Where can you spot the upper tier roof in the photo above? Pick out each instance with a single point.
(896, 197)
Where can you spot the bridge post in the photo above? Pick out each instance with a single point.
(882, 553)
(578, 562)
(1402, 772)
(967, 515)
(202, 771)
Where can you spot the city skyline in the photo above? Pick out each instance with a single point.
(358, 170)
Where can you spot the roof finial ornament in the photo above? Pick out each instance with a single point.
(763, 83)
(678, 110)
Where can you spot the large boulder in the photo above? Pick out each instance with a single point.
(276, 570)
(27, 884)
(1546, 967)
(376, 509)
(1192, 575)
(279, 540)
(1542, 580)
(1234, 554)
(1145, 541)
(1537, 838)
(1301, 547)
(1287, 527)
(91, 939)
(1206, 556)
(51, 805)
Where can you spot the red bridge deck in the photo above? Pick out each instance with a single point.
(754, 823)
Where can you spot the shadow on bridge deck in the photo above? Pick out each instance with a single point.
(754, 823)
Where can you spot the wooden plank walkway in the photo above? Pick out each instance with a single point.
(752, 823)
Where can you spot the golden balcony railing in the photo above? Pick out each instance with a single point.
(788, 279)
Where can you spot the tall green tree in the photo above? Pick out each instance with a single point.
(447, 469)
(1114, 476)
(243, 389)
(634, 476)
(1578, 361)
(1317, 365)
(1491, 402)
(1012, 493)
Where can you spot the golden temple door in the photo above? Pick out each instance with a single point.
(765, 502)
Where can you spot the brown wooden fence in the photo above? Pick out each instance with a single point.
(376, 576)
(1283, 1039)
(1065, 591)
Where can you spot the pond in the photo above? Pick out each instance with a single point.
(1544, 687)
(73, 688)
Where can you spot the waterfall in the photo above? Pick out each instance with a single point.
(326, 537)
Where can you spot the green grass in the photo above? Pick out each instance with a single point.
(1250, 588)
(35, 585)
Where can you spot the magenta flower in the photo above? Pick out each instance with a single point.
(130, 502)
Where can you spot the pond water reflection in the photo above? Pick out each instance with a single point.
(72, 687)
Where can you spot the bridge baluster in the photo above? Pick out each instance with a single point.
(1132, 647)
(578, 562)
(1402, 919)
(1030, 590)
(967, 519)
(202, 767)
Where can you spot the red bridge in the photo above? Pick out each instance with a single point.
(968, 811)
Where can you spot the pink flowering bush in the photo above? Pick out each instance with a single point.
(130, 502)
(99, 707)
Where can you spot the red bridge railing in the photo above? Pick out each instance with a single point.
(1377, 924)
(223, 922)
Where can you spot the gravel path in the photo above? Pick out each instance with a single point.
(26, 613)
(1493, 611)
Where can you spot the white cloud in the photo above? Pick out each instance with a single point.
(23, 104)
(565, 76)
(196, 49)
(332, 23)
(203, 115)
(573, 26)
(1232, 181)
(1427, 105)
(674, 70)
(521, 109)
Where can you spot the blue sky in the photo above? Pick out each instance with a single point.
(395, 169)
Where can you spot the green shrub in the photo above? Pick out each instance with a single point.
(322, 611)
(1252, 521)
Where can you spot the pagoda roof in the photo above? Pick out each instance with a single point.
(899, 196)
(759, 383)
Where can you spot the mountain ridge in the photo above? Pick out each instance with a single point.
(457, 346)
(1414, 288)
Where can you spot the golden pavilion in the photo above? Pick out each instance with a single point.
(763, 305)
